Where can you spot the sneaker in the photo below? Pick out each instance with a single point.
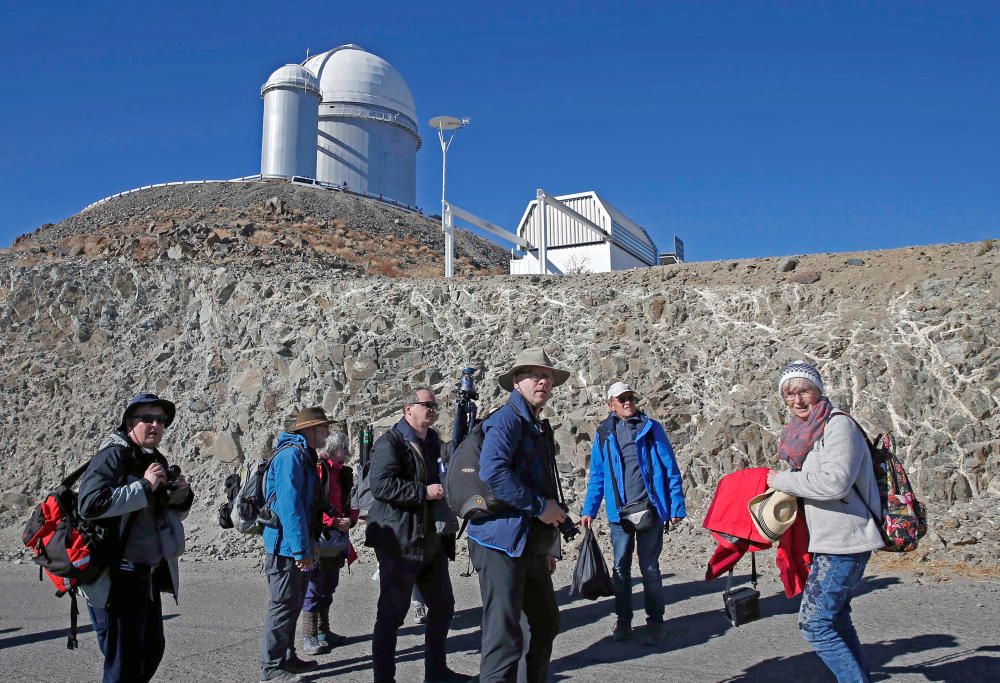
(622, 631)
(312, 645)
(449, 676)
(654, 634)
(299, 666)
(331, 639)
(419, 612)
(282, 677)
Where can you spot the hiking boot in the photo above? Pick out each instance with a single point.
(653, 634)
(449, 676)
(419, 612)
(331, 639)
(312, 645)
(623, 630)
(282, 677)
(295, 665)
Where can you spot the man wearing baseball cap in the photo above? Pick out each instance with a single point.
(140, 503)
(633, 469)
(290, 488)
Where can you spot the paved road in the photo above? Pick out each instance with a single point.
(913, 631)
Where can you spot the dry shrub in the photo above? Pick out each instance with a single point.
(384, 268)
(262, 238)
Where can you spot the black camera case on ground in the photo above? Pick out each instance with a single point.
(743, 604)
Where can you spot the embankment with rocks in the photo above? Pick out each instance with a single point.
(906, 340)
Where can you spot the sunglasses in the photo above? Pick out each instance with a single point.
(627, 398)
(149, 418)
(430, 405)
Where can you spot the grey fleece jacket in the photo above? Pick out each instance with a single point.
(838, 521)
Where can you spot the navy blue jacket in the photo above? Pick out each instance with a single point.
(663, 481)
(514, 461)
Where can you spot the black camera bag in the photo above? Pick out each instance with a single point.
(743, 604)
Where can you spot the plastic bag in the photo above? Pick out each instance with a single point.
(590, 576)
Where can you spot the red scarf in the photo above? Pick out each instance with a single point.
(798, 436)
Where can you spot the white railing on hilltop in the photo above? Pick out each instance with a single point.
(295, 180)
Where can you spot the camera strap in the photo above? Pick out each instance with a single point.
(753, 574)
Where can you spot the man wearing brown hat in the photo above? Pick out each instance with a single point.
(515, 551)
(290, 489)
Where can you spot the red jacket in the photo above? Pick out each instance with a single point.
(338, 479)
(728, 518)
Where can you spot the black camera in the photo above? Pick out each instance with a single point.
(568, 528)
(173, 472)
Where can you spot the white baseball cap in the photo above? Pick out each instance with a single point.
(619, 388)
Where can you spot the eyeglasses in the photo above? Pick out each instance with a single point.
(627, 398)
(537, 375)
(430, 405)
(150, 418)
(790, 396)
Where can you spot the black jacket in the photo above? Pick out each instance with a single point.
(120, 462)
(400, 520)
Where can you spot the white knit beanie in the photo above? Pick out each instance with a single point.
(800, 369)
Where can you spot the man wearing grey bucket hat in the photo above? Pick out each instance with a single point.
(515, 550)
(140, 503)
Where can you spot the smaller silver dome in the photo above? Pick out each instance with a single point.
(292, 76)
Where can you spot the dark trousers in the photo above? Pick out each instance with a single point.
(321, 583)
(509, 586)
(130, 630)
(285, 583)
(397, 577)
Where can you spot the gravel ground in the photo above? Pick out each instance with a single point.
(913, 630)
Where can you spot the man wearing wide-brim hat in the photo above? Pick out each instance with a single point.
(290, 489)
(515, 550)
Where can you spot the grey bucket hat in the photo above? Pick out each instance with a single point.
(528, 358)
(147, 399)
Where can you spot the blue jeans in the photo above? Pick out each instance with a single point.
(649, 544)
(825, 614)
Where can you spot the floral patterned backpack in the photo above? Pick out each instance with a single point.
(903, 520)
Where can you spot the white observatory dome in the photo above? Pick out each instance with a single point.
(367, 136)
(350, 74)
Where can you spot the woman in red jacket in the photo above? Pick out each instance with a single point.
(336, 481)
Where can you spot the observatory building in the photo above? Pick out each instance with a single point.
(344, 117)
(614, 242)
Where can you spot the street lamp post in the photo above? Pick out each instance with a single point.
(442, 124)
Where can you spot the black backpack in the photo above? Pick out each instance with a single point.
(468, 496)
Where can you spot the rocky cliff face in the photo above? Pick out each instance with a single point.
(906, 340)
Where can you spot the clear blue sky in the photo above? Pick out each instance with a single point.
(747, 128)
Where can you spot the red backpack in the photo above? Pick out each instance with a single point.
(67, 548)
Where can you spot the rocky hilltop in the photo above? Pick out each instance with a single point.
(906, 340)
(262, 224)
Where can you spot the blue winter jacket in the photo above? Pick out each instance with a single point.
(512, 462)
(292, 479)
(663, 482)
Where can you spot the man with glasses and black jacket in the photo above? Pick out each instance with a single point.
(140, 502)
(405, 482)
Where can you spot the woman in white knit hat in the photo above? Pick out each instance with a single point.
(830, 469)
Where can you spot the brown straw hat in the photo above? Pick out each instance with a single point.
(533, 357)
(773, 512)
(311, 417)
